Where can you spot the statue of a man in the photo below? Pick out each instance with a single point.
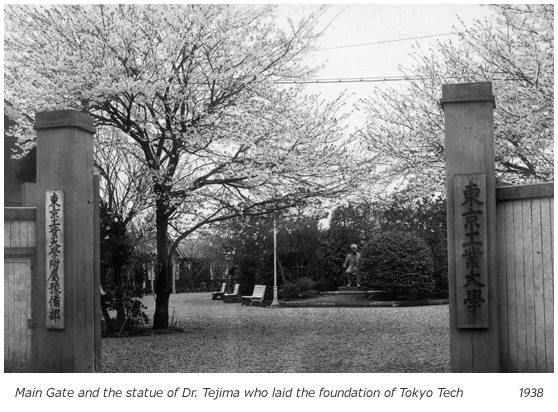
(351, 266)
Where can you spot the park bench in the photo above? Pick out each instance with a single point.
(232, 297)
(257, 296)
(219, 294)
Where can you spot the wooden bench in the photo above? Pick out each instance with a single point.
(232, 297)
(219, 294)
(257, 296)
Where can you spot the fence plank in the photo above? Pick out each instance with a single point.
(8, 318)
(32, 233)
(502, 285)
(520, 288)
(18, 303)
(547, 213)
(14, 233)
(22, 233)
(7, 234)
(511, 287)
(530, 330)
(25, 310)
(539, 351)
(23, 241)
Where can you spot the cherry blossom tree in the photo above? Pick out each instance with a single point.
(193, 89)
(124, 185)
(515, 51)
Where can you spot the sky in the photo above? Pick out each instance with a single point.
(393, 28)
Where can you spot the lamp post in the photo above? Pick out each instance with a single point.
(275, 300)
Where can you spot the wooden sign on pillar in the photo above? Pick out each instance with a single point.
(471, 211)
(470, 250)
(54, 211)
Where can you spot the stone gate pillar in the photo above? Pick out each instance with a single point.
(471, 212)
(65, 287)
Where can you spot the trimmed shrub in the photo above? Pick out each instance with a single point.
(399, 263)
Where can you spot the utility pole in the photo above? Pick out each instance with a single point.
(275, 299)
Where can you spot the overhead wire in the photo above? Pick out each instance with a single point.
(398, 40)
(386, 41)
(368, 80)
(371, 79)
(352, 80)
(332, 20)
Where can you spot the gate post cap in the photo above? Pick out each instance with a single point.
(467, 93)
(64, 118)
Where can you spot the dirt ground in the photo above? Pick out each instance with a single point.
(229, 337)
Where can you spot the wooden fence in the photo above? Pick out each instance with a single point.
(525, 220)
(20, 250)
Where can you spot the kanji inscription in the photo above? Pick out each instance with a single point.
(54, 259)
(471, 250)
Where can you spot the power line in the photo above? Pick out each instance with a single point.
(352, 80)
(398, 40)
(386, 41)
(332, 20)
(368, 80)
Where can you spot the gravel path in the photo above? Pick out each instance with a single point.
(222, 337)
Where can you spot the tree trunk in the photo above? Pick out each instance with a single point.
(163, 276)
(119, 301)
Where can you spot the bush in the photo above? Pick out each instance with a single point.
(123, 289)
(305, 284)
(322, 285)
(288, 290)
(399, 263)
(304, 287)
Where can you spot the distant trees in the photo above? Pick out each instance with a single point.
(248, 242)
(311, 257)
(405, 130)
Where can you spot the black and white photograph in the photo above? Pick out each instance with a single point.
(287, 204)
